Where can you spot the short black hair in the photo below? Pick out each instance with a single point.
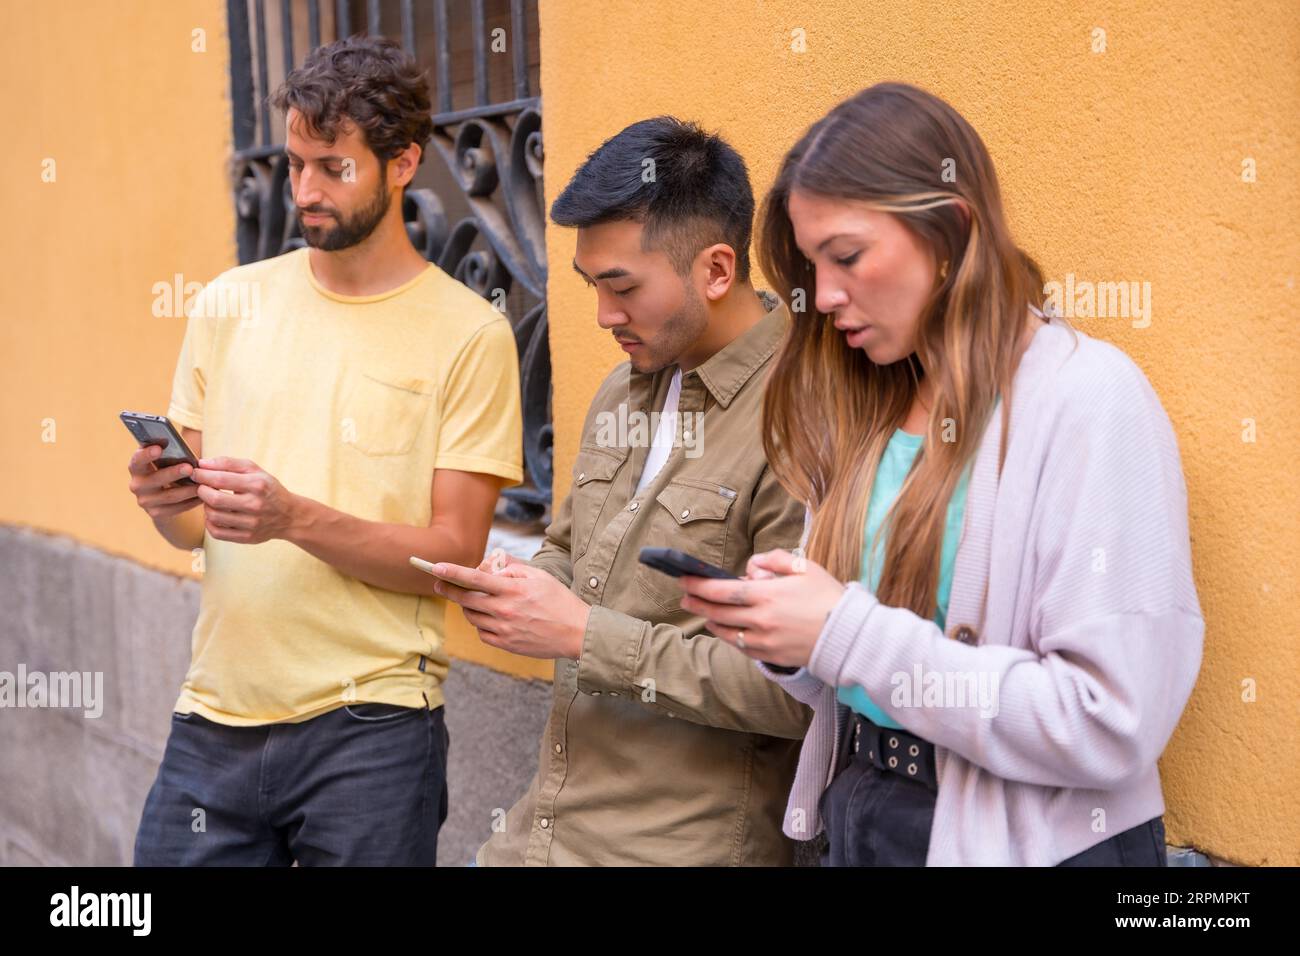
(699, 193)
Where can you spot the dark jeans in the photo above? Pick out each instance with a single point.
(876, 817)
(361, 785)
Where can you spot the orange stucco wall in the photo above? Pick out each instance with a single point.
(1117, 165)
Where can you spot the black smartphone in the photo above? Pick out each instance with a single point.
(158, 430)
(676, 563)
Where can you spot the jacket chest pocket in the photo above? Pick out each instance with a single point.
(383, 416)
(690, 515)
(593, 476)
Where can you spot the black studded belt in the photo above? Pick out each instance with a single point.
(889, 749)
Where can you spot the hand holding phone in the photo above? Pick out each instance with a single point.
(160, 467)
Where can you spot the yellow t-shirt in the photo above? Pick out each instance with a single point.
(353, 401)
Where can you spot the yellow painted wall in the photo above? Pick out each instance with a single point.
(1119, 165)
(1122, 165)
(139, 129)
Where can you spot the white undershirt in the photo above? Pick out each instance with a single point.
(665, 434)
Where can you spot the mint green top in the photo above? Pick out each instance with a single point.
(895, 463)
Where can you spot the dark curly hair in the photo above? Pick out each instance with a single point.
(371, 81)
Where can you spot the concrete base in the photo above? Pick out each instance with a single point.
(72, 788)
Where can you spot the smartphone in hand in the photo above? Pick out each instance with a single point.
(159, 430)
(677, 563)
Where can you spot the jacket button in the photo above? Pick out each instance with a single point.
(966, 635)
(592, 582)
(582, 475)
(686, 512)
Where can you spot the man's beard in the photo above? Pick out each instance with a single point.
(346, 233)
(678, 334)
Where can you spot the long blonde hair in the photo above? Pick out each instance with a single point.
(829, 411)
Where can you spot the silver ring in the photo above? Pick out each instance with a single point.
(740, 639)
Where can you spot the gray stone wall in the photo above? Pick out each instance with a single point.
(72, 787)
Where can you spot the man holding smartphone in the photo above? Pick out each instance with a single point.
(665, 745)
(365, 411)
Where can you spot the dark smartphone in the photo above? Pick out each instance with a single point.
(158, 430)
(676, 563)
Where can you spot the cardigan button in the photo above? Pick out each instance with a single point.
(966, 635)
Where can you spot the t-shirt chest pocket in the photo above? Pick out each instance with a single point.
(691, 516)
(383, 413)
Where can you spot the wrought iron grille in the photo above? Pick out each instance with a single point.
(479, 216)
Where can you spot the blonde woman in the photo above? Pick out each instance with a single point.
(1020, 629)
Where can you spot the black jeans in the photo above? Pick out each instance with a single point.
(875, 817)
(361, 785)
